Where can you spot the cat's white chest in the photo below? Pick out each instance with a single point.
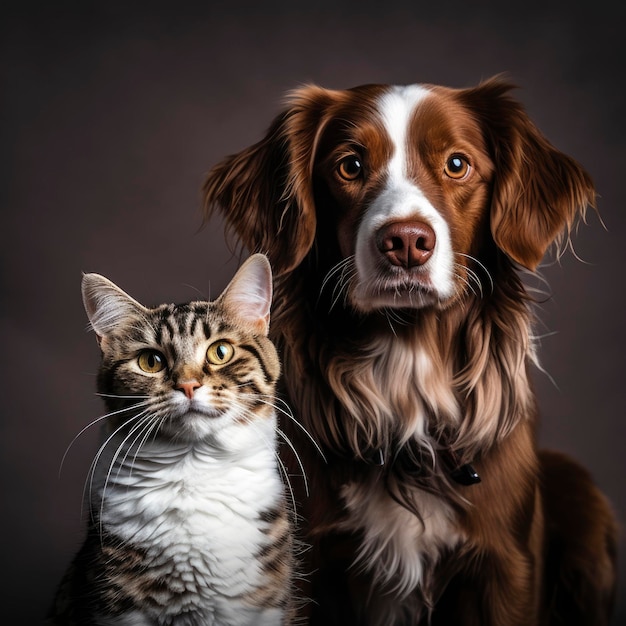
(196, 518)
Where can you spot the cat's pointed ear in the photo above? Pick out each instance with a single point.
(107, 306)
(248, 296)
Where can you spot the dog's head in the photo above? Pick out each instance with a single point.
(406, 189)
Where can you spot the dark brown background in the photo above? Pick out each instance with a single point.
(110, 119)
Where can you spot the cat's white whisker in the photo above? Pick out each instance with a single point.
(286, 439)
(88, 426)
(287, 412)
(250, 419)
(145, 422)
(92, 467)
(289, 415)
(94, 464)
(115, 395)
(144, 434)
(285, 473)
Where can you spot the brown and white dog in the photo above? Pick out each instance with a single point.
(397, 219)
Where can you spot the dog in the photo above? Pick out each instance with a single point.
(399, 221)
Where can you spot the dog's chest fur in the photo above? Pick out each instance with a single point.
(397, 546)
(401, 384)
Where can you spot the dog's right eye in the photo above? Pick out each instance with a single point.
(350, 168)
(457, 167)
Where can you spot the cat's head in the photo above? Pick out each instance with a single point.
(185, 371)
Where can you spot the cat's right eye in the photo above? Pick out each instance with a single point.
(151, 361)
(220, 352)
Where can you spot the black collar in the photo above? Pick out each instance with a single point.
(461, 473)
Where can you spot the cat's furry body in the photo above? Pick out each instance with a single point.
(188, 523)
(190, 517)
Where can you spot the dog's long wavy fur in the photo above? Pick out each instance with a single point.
(535, 541)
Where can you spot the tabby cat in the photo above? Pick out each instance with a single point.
(188, 520)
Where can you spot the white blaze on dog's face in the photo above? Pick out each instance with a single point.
(412, 187)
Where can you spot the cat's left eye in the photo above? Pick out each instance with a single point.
(151, 361)
(220, 352)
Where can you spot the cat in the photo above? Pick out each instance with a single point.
(188, 520)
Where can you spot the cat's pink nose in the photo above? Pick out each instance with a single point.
(188, 387)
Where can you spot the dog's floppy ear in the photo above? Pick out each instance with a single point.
(265, 192)
(538, 191)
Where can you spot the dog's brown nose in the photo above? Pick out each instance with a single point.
(406, 244)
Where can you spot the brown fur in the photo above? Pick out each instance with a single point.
(432, 386)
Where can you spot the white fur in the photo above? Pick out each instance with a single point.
(194, 508)
(397, 546)
(401, 199)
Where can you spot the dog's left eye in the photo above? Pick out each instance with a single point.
(457, 167)
(350, 168)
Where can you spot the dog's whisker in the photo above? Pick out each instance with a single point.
(481, 266)
(467, 283)
(473, 277)
(342, 285)
(336, 269)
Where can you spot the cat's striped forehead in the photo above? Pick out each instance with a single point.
(175, 327)
(183, 333)
(168, 322)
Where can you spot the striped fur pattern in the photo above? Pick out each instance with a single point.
(188, 523)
